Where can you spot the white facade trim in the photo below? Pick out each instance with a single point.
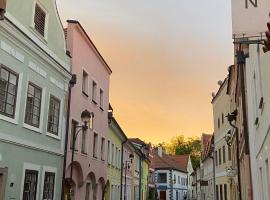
(36, 39)
(52, 170)
(30, 166)
(12, 51)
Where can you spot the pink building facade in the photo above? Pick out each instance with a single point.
(91, 93)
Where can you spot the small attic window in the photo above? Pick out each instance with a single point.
(40, 20)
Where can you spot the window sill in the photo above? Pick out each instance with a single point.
(38, 35)
(83, 154)
(32, 128)
(8, 119)
(53, 136)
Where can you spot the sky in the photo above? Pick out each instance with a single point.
(166, 56)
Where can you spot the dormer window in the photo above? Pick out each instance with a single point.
(40, 20)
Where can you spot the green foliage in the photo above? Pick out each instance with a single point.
(181, 145)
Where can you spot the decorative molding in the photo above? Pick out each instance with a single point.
(57, 83)
(37, 69)
(12, 51)
(7, 138)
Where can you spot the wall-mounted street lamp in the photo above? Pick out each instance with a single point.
(228, 138)
(232, 117)
(127, 166)
(85, 117)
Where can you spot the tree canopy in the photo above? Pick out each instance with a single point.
(181, 145)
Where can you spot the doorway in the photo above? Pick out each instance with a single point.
(162, 195)
(3, 179)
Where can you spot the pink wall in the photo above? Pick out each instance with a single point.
(85, 57)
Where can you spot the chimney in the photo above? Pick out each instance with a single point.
(160, 151)
(2, 9)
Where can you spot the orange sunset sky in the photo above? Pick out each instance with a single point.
(166, 57)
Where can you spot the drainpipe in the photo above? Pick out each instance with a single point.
(140, 180)
(72, 82)
(121, 178)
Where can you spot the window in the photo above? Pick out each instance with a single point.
(33, 104)
(225, 192)
(91, 122)
(222, 118)
(30, 185)
(94, 92)
(101, 93)
(217, 196)
(95, 145)
(119, 162)
(216, 158)
(178, 179)
(8, 91)
(85, 83)
(48, 190)
(40, 20)
(112, 161)
(224, 154)
(108, 152)
(87, 192)
(116, 157)
(162, 178)
(218, 123)
(221, 192)
(53, 118)
(74, 125)
(229, 153)
(84, 138)
(219, 156)
(102, 148)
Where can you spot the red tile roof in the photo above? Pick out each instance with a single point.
(177, 162)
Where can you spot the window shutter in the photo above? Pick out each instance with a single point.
(40, 17)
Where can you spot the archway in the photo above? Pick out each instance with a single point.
(107, 191)
(90, 184)
(100, 188)
(71, 185)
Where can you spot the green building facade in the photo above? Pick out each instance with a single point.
(34, 78)
(116, 138)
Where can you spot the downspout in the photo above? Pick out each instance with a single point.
(140, 180)
(121, 178)
(72, 82)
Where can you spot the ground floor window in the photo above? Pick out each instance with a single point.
(48, 190)
(30, 185)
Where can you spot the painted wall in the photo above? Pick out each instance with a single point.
(23, 146)
(257, 88)
(90, 169)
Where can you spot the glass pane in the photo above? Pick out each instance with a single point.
(38, 93)
(10, 99)
(36, 102)
(9, 109)
(12, 89)
(31, 90)
(4, 74)
(13, 79)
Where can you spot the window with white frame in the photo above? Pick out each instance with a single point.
(48, 189)
(101, 98)
(112, 161)
(84, 142)
(95, 145)
(162, 177)
(33, 104)
(30, 185)
(54, 115)
(94, 92)
(40, 20)
(108, 152)
(8, 91)
(102, 149)
(85, 83)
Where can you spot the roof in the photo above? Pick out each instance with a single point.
(219, 90)
(89, 39)
(137, 141)
(176, 162)
(207, 140)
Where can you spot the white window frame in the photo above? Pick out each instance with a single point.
(87, 84)
(36, 33)
(51, 170)
(30, 166)
(60, 130)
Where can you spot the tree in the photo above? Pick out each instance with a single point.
(181, 145)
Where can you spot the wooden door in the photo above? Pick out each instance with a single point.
(162, 195)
